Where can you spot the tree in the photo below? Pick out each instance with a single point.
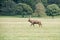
(40, 10)
(32, 3)
(23, 9)
(45, 2)
(53, 1)
(53, 10)
(8, 8)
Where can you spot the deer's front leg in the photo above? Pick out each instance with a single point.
(32, 24)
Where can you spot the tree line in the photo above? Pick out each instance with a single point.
(38, 8)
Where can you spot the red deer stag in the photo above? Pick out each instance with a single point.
(34, 22)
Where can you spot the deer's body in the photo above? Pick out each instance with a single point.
(35, 22)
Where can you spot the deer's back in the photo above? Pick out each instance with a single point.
(35, 21)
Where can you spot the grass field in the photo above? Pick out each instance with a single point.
(20, 29)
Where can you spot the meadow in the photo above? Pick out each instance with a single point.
(20, 29)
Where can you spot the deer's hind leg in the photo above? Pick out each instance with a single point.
(40, 25)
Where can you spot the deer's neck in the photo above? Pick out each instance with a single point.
(29, 20)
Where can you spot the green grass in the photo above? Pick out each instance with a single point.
(20, 29)
(19, 16)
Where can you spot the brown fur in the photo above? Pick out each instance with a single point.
(35, 22)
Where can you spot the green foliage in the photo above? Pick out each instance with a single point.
(40, 9)
(53, 10)
(54, 1)
(23, 9)
(8, 8)
(30, 7)
(32, 3)
(45, 2)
